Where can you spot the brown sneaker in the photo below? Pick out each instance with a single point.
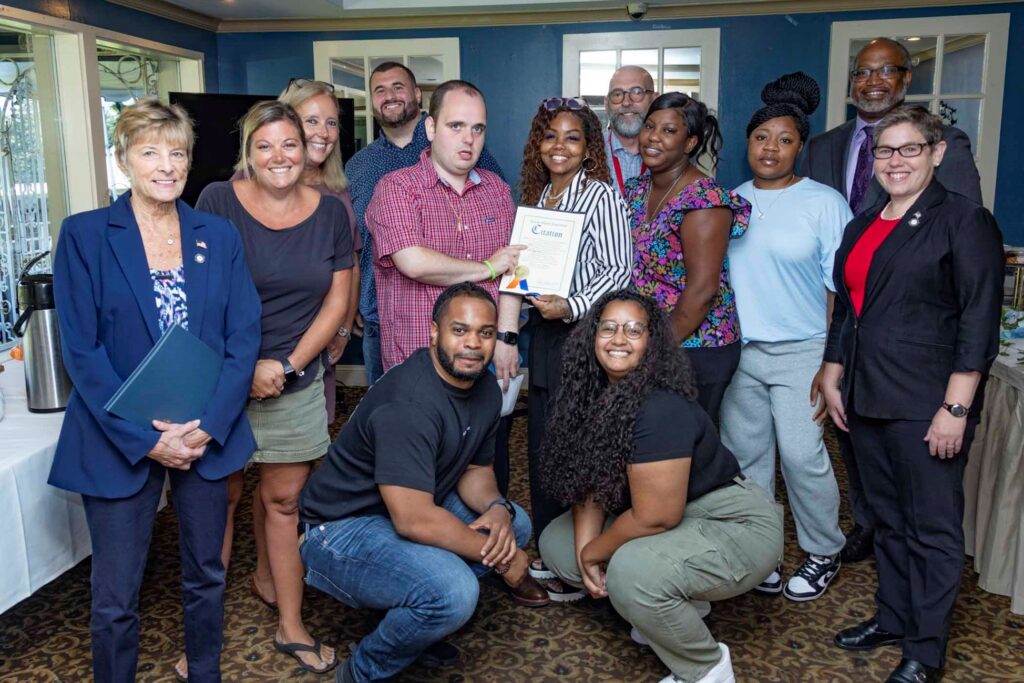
(529, 593)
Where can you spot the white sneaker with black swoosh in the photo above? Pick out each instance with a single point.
(813, 577)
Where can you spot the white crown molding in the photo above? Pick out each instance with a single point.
(173, 12)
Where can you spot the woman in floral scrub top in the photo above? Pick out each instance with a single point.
(676, 204)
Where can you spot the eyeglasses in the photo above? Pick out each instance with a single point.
(636, 94)
(570, 103)
(634, 329)
(303, 82)
(887, 71)
(908, 151)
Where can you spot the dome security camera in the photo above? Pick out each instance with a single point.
(636, 10)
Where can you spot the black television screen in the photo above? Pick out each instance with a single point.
(216, 119)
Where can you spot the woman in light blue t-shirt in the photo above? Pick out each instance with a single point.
(782, 274)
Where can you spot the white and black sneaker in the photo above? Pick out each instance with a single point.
(771, 585)
(811, 580)
(540, 571)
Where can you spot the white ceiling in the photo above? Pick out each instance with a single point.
(340, 9)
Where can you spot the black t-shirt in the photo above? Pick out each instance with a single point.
(412, 429)
(292, 268)
(671, 426)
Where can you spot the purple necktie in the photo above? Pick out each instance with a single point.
(862, 174)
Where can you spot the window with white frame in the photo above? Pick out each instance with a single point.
(52, 130)
(348, 65)
(958, 66)
(684, 61)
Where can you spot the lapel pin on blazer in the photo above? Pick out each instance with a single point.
(200, 244)
(200, 258)
(916, 220)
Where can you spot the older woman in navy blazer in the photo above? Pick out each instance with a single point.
(122, 276)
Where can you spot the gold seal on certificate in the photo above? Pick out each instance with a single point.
(552, 240)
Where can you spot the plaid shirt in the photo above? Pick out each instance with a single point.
(413, 207)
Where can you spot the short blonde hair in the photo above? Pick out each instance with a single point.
(259, 115)
(297, 93)
(149, 118)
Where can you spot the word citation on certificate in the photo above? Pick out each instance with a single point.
(552, 240)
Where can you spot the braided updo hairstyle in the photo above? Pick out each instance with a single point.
(795, 95)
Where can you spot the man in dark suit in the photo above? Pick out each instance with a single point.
(841, 159)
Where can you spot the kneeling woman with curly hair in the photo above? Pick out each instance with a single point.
(661, 515)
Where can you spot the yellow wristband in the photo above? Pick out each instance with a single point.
(494, 273)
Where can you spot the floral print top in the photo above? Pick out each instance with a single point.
(169, 289)
(659, 265)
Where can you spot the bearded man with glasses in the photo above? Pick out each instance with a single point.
(841, 158)
(630, 93)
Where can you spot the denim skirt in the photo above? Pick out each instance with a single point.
(291, 427)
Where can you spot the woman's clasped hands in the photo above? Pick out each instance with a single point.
(180, 444)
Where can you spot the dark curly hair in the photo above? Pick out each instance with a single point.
(534, 174)
(589, 439)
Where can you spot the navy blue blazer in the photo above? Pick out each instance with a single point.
(108, 321)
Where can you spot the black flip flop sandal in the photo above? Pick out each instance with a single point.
(291, 649)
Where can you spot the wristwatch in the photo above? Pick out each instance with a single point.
(290, 373)
(344, 332)
(510, 338)
(956, 409)
(505, 504)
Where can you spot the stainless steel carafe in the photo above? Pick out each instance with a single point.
(46, 381)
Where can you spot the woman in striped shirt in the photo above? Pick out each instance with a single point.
(565, 169)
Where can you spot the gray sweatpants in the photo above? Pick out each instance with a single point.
(767, 405)
(728, 542)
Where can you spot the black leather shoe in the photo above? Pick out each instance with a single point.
(860, 544)
(912, 671)
(866, 636)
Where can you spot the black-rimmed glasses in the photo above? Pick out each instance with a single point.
(908, 151)
(636, 94)
(886, 71)
(303, 82)
(633, 329)
(570, 103)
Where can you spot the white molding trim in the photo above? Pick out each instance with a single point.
(173, 12)
(996, 26)
(656, 13)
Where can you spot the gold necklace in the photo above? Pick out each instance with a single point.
(651, 215)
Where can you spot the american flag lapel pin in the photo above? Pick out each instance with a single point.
(200, 244)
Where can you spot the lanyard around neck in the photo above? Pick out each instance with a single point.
(618, 167)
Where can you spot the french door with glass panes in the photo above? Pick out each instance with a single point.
(958, 66)
(348, 64)
(683, 61)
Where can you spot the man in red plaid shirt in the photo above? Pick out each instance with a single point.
(440, 222)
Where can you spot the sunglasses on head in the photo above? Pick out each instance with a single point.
(570, 103)
(303, 82)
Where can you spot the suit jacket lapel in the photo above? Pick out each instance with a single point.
(913, 220)
(841, 145)
(196, 255)
(126, 242)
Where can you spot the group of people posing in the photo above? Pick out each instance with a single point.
(705, 331)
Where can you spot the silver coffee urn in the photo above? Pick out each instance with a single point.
(47, 383)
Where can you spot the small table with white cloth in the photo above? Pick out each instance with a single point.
(994, 482)
(43, 532)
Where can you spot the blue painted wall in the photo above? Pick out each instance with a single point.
(518, 66)
(103, 14)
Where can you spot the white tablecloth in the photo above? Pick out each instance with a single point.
(994, 483)
(42, 529)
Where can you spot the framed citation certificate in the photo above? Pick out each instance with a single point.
(552, 240)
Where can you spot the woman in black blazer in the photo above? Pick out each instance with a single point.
(914, 331)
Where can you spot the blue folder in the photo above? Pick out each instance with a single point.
(173, 382)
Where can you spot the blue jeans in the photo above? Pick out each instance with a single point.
(428, 592)
(371, 352)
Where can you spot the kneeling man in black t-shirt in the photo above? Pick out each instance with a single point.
(404, 514)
